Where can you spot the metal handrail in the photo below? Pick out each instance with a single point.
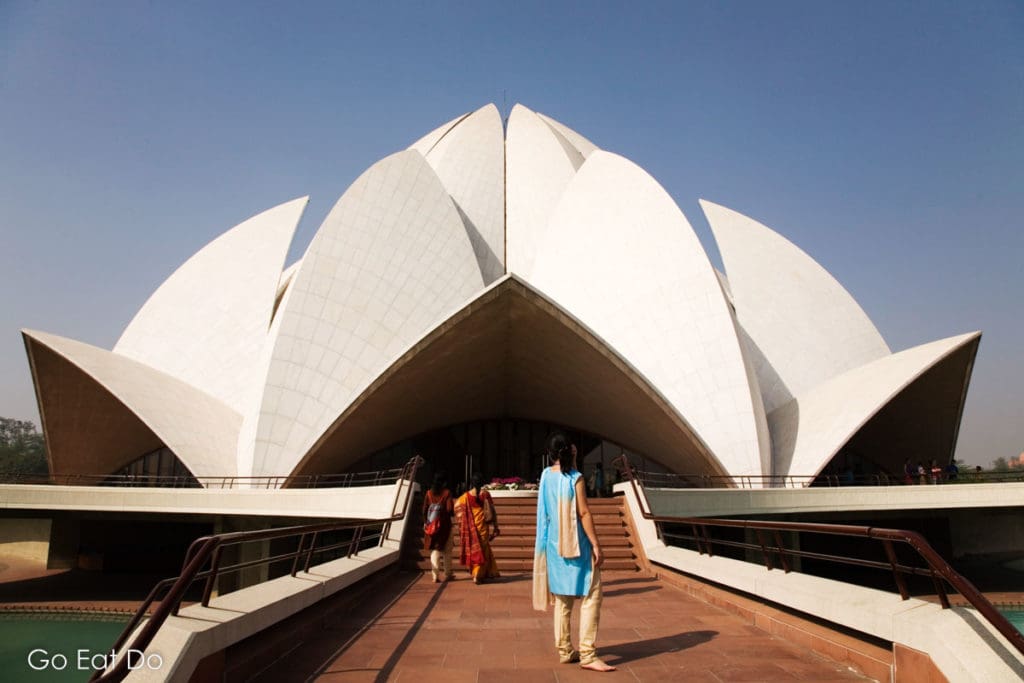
(749, 481)
(936, 566)
(659, 479)
(208, 549)
(348, 479)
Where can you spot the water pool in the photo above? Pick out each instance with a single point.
(1015, 617)
(59, 636)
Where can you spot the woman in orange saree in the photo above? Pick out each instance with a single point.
(476, 531)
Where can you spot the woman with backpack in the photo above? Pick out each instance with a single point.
(437, 527)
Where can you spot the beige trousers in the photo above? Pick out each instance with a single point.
(590, 616)
(441, 560)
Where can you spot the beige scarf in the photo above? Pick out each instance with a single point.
(568, 547)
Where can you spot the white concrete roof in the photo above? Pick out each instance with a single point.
(427, 142)
(811, 428)
(206, 324)
(246, 446)
(511, 351)
(580, 144)
(470, 161)
(804, 324)
(620, 255)
(391, 259)
(537, 171)
(201, 430)
(418, 244)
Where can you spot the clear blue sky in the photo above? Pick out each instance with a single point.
(885, 139)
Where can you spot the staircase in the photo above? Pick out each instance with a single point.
(513, 549)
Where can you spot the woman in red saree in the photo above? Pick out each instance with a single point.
(477, 527)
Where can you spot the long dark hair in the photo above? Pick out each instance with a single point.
(560, 450)
(440, 480)
(476, 481)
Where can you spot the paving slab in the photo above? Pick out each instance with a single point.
(415, 630)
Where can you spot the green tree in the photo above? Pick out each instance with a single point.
(1000, 465)
(21, 448)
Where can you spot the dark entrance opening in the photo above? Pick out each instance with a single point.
(497, 448)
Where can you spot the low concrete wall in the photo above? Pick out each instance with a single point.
(198, 632)
(28, 539)
(959, 642)
(724, 502)
(359, 501)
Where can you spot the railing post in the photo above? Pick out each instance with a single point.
(298, 554)
(210, 580)
(890, 552)
(353, 546)
(707, 540)
(697, 538)
(309, 554)
(783, 557)
(767, 555)
(940, 589)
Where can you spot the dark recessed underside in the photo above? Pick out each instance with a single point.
(511, 353)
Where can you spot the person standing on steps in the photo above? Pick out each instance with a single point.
(478, 526)
(437, 527)
(597, 481)
(567, 556)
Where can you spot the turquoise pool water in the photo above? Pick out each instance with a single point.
(57, 638)
(1015, 617)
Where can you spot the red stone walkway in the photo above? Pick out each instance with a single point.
(408, 629)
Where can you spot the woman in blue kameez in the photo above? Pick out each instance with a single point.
(567, 556)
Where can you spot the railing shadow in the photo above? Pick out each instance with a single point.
(771, 546)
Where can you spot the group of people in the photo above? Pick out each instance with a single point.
(922, 474)
(567, 555)
(478, 525)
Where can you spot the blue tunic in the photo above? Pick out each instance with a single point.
(566, 575)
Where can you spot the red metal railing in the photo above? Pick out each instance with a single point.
(771, 546)
(208, 550)
(379, 478)
(750, 481)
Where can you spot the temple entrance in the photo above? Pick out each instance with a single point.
(500, 448)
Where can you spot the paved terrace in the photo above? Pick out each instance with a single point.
(403, 627)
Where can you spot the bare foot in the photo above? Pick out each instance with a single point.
(597, 665)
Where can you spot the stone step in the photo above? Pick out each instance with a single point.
(613, 517)
(510, 533)
(609, 540)
(520, 565)
(523, 553)
(531, 501)
(514, 548)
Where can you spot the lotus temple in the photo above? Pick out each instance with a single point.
(469, 292)
(464, 296)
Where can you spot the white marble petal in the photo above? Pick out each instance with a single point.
(582, 145)
(427, 142)
(621, 256)
(470, 161)
(207, 323)
(200, 429)
(805, 325)
(391, 260)
(811, 428)
(246, 447)
(537, 171)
